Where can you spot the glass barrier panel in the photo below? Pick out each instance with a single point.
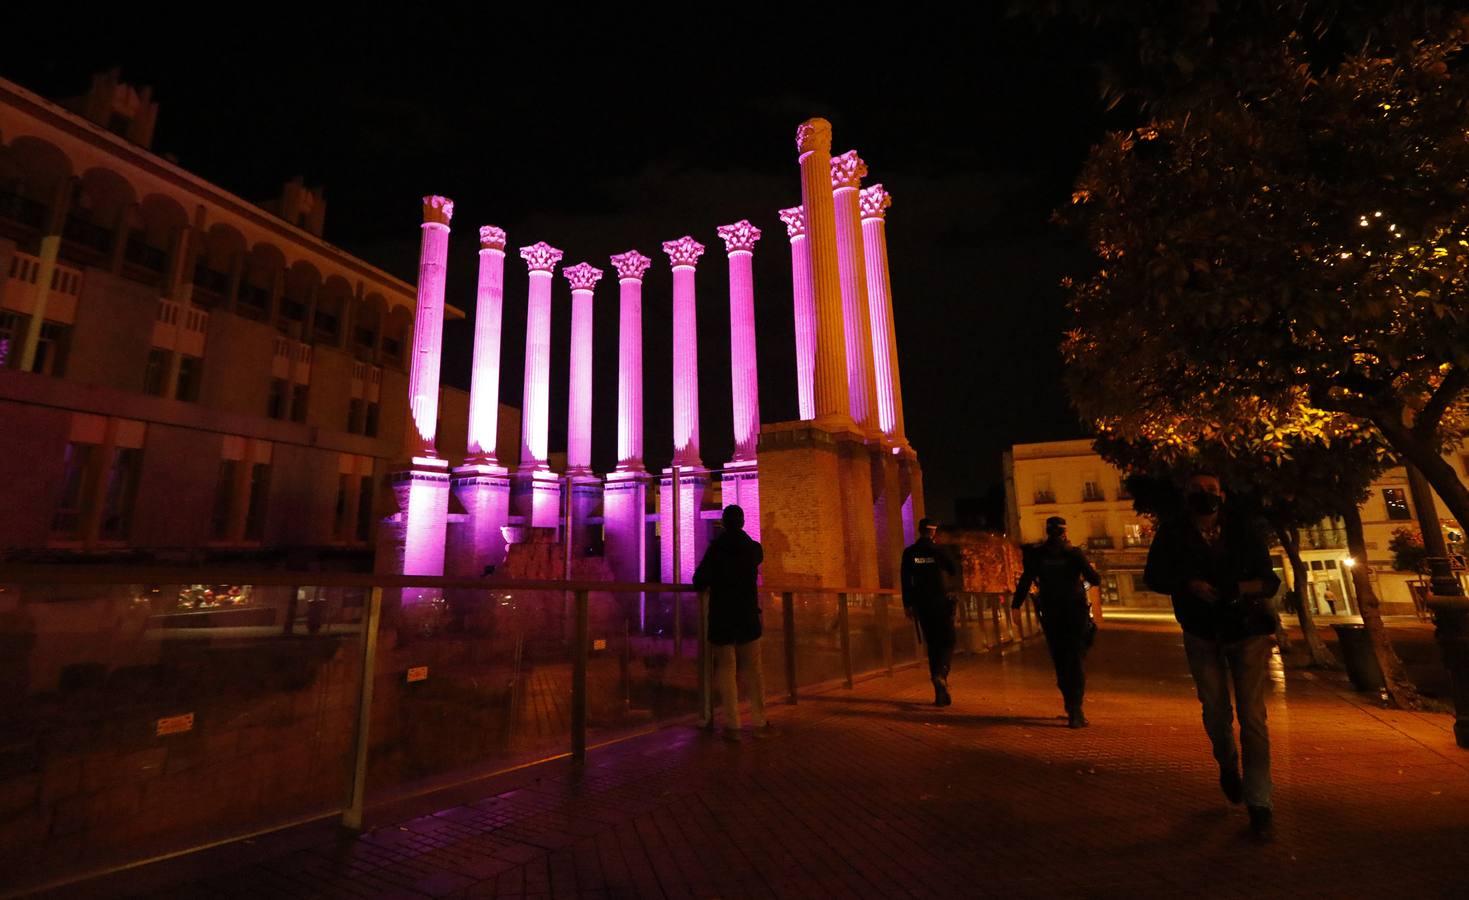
(633, 679)
(144, 719)
(863, 617)
(818, 639)
(773, 643)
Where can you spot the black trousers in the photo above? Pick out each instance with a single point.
(936, 618)
(1068, 643)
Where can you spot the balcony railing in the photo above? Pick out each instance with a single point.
(1103, 542)
(1092, 494)
(1045, 497)
(1136, 540)
(221, 703)
(1324, 539)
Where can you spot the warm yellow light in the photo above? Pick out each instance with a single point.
(1348, 561)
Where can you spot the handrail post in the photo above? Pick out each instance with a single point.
(788, 620)
(706, 702)
(885, 631)
(844, 622)
(579, 682)
(352, 815)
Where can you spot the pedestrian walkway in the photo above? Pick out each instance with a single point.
(873, 793)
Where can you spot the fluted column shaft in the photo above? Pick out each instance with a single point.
(684, 254)
(630, 269)
(484, 382)
(428, 326)
(832, 407)
(874, 203)
(846, 176)
(739, 243)
(805, 310)
(535, 408)
(583, 278)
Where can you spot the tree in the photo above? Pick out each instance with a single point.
(1305, 242)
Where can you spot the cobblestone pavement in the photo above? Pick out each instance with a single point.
(873, 793)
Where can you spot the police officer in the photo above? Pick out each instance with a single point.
(927, 568)
(1066, 616)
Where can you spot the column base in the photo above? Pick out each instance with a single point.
(413, 540)
(535, 494)
(484, 492)
(739, 485)
(692, 539)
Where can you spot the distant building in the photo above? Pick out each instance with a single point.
(1068, 478)
(185, 374)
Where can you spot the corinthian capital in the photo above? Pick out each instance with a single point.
(438, 210)
(739, 236)
(684, 251)
(795, 219)
(874, 202)
(631, 264)
(583, 276)
(847, 170)
(813, 134)
(491, 237)
(541, 257)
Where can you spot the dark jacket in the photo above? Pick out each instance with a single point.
(1059, 570)
(927, 571)
(1179, 554)
(729, 571)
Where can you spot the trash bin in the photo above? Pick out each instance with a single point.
(1361, 660)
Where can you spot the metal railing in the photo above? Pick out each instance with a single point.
(161, 710)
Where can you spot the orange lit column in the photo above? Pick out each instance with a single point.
(829, 379)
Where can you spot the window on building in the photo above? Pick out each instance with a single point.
(292, 310)
(255, 501)
(191, 371)
(76, 474)
(51, 349)
(1132, 535)
(355, 415)
(155, 374)
(121, 494)
(1043, 493)
(254, 301)
(369, 424)
(342, 524)
(279, 391)
(1091, 487)
(298, 402)
(393, 349)
(326, 325)
(364, 337)
(1111, 590)
(224, 500)
(1396, 500)
(12, 333)
(364, 507)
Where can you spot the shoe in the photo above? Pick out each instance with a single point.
(941, 692)
(1262, 823)
(1232, 785)
(1076, 719)
(730, 736)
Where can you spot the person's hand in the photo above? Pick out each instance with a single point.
(1203, 590)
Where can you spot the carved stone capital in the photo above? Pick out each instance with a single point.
(491, 237)
(739, 236)
(684, 251)
(631, 264)
(438, 210)
(874, 202)
(847, 170)
(541, 257)
(813, 134)
(583, 276)
(795, 219)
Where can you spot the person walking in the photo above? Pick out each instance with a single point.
(1216, 568)
(729, 571)
(926, 573)
(1062, 572)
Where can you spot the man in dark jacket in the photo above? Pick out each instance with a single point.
(729, 571)
(1217, 570)
(927, 569)
(1066, 616)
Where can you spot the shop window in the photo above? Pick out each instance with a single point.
(12, 333)
(121, 493)
(75, 476)
(224, 500)
(51, 349)
(255, 504)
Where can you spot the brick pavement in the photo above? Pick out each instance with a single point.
(872, 793)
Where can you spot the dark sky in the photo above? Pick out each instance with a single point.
(603, 132)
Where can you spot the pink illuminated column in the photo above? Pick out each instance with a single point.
(583, 278)
(847, 172)
(630, 267)
(484, 384)
(428, 326)
(739, 243)
(813, 142)
(795, 222)
(541, 259)
(874, 202)
(684, 254)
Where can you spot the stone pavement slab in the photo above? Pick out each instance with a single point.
(873, 793)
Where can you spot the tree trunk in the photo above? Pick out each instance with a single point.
(1444, 581)
(1400, 689)
(1290, 541)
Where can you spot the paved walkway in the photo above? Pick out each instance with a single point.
(872, 793)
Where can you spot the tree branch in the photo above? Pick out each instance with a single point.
(1425, 427)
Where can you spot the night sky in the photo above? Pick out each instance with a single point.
(600, 134)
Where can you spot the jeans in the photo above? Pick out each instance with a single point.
(1068, 645)
(748, 660)
(1214, 665)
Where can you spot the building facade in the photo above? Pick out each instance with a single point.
(184, 374)
(1069, 479)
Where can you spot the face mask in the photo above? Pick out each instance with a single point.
(1204, 503)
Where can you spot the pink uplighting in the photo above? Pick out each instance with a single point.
(541, 258)
(875, 202)
(739, 243)
(684, 254)
(428, 326)
(795, 222)
(630, 266)
(583, 278)
(847, 172)
(484, 385)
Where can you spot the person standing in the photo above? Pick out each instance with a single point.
(1217, 570)
(730, 571)
(1062, 573)
(926, 573)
